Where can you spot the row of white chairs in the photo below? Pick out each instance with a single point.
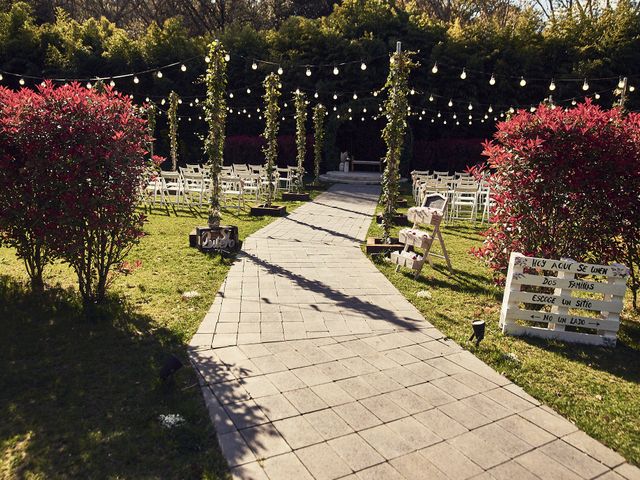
(467, 196)
(191, 184)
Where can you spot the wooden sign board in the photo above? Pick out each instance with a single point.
(222, 238)
(581, 303)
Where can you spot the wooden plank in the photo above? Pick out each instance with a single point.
(572, 284)
(563, 319)
(566, 301)
(614, 270)
(575, 337)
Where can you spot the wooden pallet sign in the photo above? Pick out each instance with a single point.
(579, 302)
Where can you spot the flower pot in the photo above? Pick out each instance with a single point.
(272, 211)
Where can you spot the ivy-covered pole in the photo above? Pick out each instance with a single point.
(151, 111)
(272, 124)
(174, 100)
(215, 111)
(319, 112)
(396, 109)
(300, 102)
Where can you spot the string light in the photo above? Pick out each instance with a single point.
(375, 94)
(207, 59)
(632, 88)
(159, 74)
(621, 83)
(335, 97)
(355, 96)
(363, 66)
(1, 77)
(308, 72)
(280, 71)
(470, 107)
(597, 96)
(431, 98)
(183, 67)
(439, 115)
(435, 68)
(450, 104)
(231, 95)
(585, 85)
(249, 90)
(336, 71)
(523, 82)
(227, 57)
(492, 80)
(112, 83)
(490, 110)
(463, 75)
(254, 66)
(136, 80)
(412, 92)
(88, 85)
(552, 85)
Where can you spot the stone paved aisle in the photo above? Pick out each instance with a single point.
(314, 366)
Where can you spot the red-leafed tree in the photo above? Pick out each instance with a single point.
(566, 183)
(71, 164)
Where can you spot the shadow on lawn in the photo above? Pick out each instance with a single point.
(81, 398)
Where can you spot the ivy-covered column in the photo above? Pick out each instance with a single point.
(151, 111)
(215, 110)
(319, 112)
(300, 102)
(174, 101)
(396, 109)
(272, 124)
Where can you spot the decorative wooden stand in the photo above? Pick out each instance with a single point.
(607, 282)
(430, 213)
(222, 238)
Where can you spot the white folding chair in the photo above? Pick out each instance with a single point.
(231, 187)
(172, 187)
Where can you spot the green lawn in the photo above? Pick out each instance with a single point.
(81, 399)
(597, 388)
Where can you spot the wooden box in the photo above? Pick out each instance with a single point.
(415, 238)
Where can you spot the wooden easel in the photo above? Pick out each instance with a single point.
(430, 213)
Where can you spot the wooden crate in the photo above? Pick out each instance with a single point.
(563, 308)
(425, 215)
(415, 238)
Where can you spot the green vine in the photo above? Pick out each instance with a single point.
(272, 124)
(396, 109)
(300, 102)
(319, 112)
(215, 111)
(174, 100)
(151, 111)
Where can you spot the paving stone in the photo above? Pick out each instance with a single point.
(249, 471)
(311, 375)
(408, 401)
(550, 421)
(259, 386)
(586, 444)
(453, 387)
(356, 453)
(527, 431)
(497, 437)
(432, 394)
(415, 466)
(235, 449)
(285, 381)
(450, 461)
(277, 407)
(357, 416)
(328, 423)
(384, 471)
(286, 467)
(436, 421)
(245, 414)
(511, 470)
(305, 400)
(384, 408)
(264, 441)
(545, 467)
(480, 452)
(574, 459)
(357, 388)
(414, 432)
(627, 471)
(298, 432)
(387, 442)
(323, 462)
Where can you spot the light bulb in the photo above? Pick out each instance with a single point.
(338, 116)
(280, 71)
(375, 94)
(432, 120)
(286, 104)
(532, 109)
(585, 85)
(335, 97)
(492, 81)
(191, 104)
(254, 66)
(454, 116)
(362, 118)
(435, 68)
(336, 71)
(621, 83)
(349, 110)
(227, 57)
(470, 117)
(159, 74)
(552, 86)
(450, 104)
(315, 95)
(632, 88)
(444, 122)
(420, 117)
(308, 72)
(197, 100)
(335, 108)
(470, 107)
(439, 115)
(364, 110)
(183, 67)
(112, 83)
(463, 75)
(597, 96)
(136, 80)
(231, 95)
(523, 82)
(363, 66)
(1, 77)
(355, 96)
(573, 102)
(147, 99)
(248, 90)
(88, 83)
(163, 102)
(490, 109)
(431, 98)
(207, 59)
